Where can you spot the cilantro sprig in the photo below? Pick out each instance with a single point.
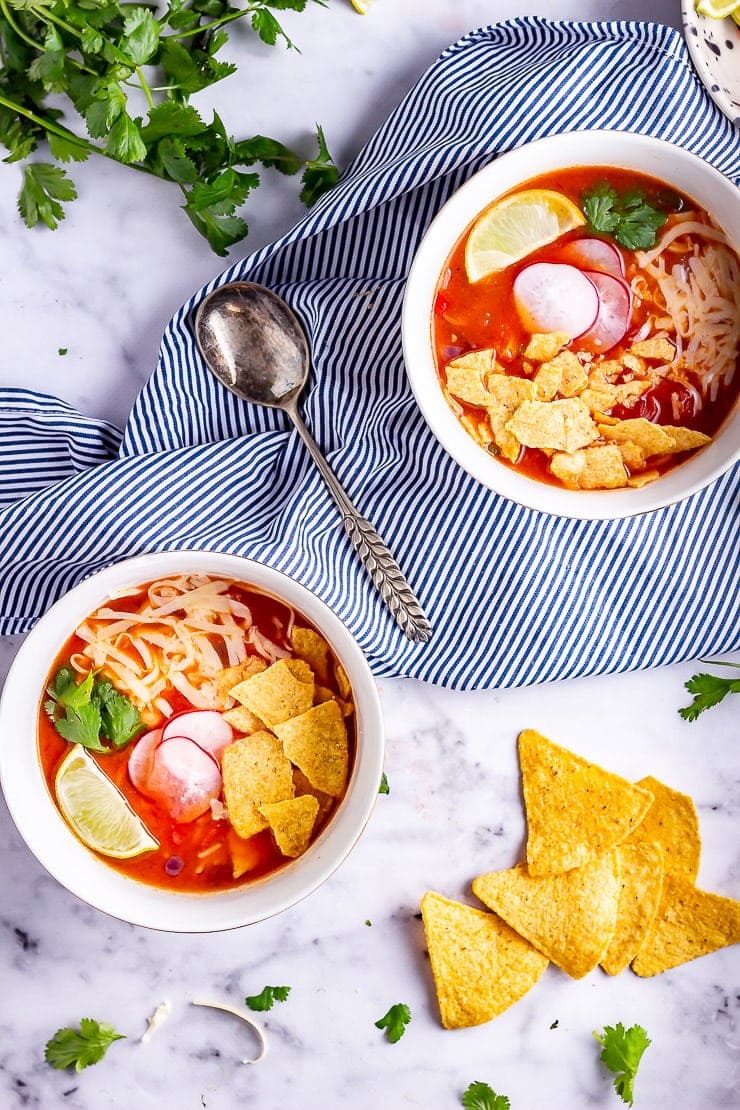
(479, 1096)
(80, 1047)
(622, 1050)
(68, 69)
(267, 998)
(91, 712)
(709, 689)
(395, 1021)
(630, 217)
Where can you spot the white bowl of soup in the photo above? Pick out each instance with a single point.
(571, 325)
(192, 741)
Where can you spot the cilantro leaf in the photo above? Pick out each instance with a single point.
(632, 219)
(269, 152)
(266, 998)
(479, 1096)
(178, 166)
(708, 690)
(622, 1051)
(140, 35)
(66, 150)
(80, 1047)
(44, 188)
(124, 140)
(82, 726)
(320, 174)
(395, 1021)
(119, 717)
(384, 788)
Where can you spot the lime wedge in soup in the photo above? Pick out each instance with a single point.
(97, 810)
(515, 226)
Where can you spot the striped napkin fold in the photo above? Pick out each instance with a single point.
(515, 596)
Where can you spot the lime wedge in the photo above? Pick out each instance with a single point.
(361, 6)
(515, 226)
(717, 9)
(97, 810)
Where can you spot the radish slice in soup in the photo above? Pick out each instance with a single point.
(554, 297)
(183, 779)
(140, 760)
(593, 254)
(205, 727)
(614, 314)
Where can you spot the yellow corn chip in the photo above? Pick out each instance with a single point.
(632, 455)
(313, 649)
(343, 682)
(507, 394)
(292, 823)
(245, 854)
(283, 691)
(569, 918)
(321, 694)
(641, 883)
(649, 437)
(590, 468)
(575, 810)
(230, 676)
(562, 374)
(546, 345)
(553, 425)
(662, 350)
(255, 771)
(317, 743)
(685, 439)
(644, 478)
(689, 923)
(302, 786)
(672, 822)
(480, 965)
(243, 720)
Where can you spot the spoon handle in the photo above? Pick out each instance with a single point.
(386, 575)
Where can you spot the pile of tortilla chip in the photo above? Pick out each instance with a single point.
(609, 880)
(563, 408)
(291, 764)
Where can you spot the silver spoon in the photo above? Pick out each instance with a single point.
(254, 344)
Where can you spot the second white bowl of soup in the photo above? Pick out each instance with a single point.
(572, 320)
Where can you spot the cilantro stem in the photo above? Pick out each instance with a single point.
(215, 23)
(47, 15)
(18, 30)
(145, 87)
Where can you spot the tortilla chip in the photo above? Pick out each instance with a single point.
(245, 854)
(649, 437)
(256, 771)
(554, 425)
(465, 377)
(343, 683)
(569, 918)
(230, 676)
(302, 786)
(480, 965)
(637, 481)
(661, 350)
(317, 743)
(590, 468)
(283, 691)
(576, 810)
(243, 720)
(604, 396)
(641, 883)
(672, 822)
(507, 394)
(634, 364)
(313, 649)
(685, 439)
(632, 455)
(292, 823)
(563, 374)
(322, 694)
(543, 346)
(689, 923)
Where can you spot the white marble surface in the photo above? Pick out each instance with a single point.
(454, 807)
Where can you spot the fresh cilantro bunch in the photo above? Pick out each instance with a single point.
(630, 217)
(90, 56)
(80, 1047)
(92, 712)
(709, 689)
(621, 1051)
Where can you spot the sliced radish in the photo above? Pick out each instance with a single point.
(183, 779)
(140, 760)
(593, 254)
(205, 727)
(555, 297)
(613, 319)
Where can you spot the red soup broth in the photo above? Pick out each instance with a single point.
(203, 845)
(469, 316)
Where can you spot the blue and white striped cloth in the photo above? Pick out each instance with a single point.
(515, 596)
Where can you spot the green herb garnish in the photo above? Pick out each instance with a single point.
(630, 217)
(267, 998)
(709, 690)
(92, 712)
(479, 1096)
(80, 1047)
(384, 788)
(395, 1022)
(90, 56)
(622, 1050)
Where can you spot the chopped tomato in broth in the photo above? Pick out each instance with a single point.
(201, 846)
(469, 316)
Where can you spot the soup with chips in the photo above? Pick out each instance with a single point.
(586, 328)
(197, 733)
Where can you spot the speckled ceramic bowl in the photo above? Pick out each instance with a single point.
(714, 45)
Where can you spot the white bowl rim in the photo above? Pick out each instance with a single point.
(79, 869)
(586, 148)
